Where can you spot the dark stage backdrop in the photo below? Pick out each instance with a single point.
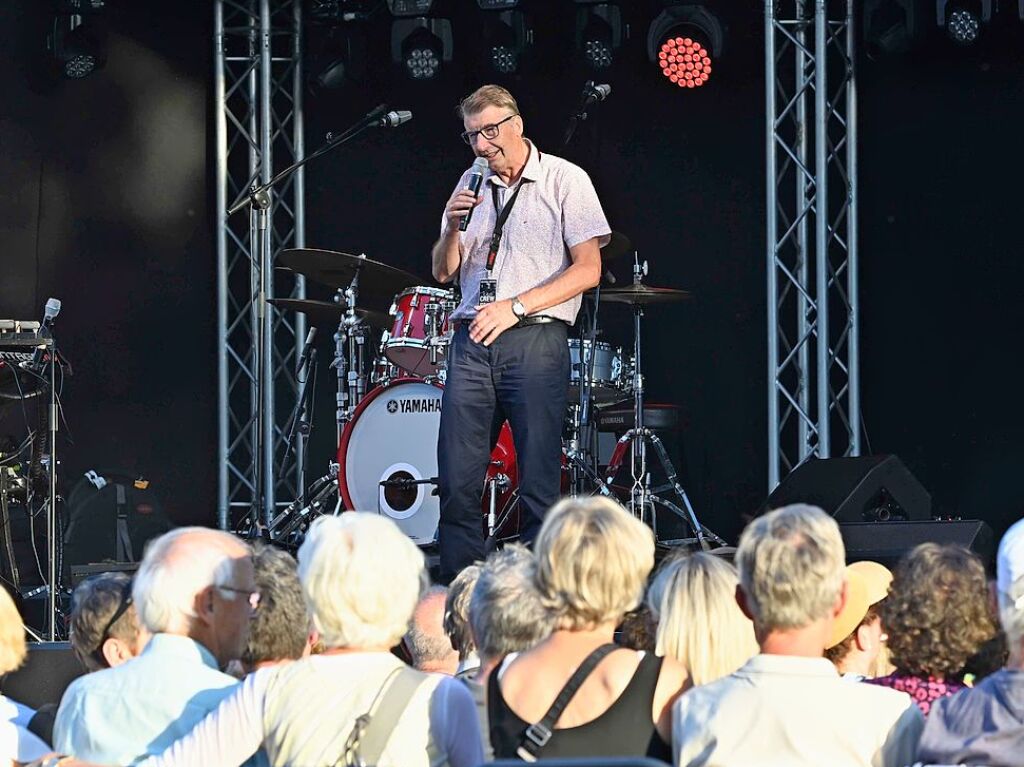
(108, 205)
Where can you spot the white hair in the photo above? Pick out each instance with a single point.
(1011, 616)
(791, 566)
(362, 578)
(176, 567)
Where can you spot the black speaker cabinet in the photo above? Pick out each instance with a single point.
(886, 542)
(48, 670)
(875, 488)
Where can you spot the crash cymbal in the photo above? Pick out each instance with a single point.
(617, 247)
(328, 312)
(638, 293)
(378, 283)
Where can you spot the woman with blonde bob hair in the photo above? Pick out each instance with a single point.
(362, 578)
(593, 559)
(693, 598)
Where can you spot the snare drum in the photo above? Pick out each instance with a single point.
(607, 383)
(419, 322)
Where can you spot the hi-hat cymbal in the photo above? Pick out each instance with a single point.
(328, 312)
(617, 247)
(638, 293)
(378, 282)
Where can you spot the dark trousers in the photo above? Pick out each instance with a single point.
(523, 378)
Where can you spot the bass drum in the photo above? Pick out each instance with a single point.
(388, 455)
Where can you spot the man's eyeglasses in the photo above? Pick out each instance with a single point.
(254, 596)
(488, 131)
(124, 604)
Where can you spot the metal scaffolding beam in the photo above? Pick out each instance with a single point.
(258, 112)
(812, 264)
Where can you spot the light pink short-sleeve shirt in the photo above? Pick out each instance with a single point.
(556, 210)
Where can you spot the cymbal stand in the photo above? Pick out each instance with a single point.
(642, 496)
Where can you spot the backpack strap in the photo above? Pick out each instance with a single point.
(537, 735)
(391, 703)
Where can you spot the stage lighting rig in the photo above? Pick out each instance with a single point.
(890, 26)
(599, 32)
(505, 37)
(409, 8)
(421, 44)
(341, 60)
(962, 19)
(75, 47)
(685, 41)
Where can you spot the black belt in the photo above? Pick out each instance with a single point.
(533, 319)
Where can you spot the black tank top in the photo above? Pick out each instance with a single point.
(624, 729)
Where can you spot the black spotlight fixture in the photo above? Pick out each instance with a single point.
(505, 36)
(420, 45)
(340, 61)
(685, 41)
(599, 32)
(962, 19)
(75, 46)
(889, 27)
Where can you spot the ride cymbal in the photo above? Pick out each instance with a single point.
(328, 312)
(378, 282)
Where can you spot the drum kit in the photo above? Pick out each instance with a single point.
(391, 367)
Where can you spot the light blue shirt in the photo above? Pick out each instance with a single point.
(122, 715)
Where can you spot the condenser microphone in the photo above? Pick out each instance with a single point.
(476, 180)
(392, 119)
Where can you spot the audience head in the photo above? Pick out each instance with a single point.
(198, 582)
(362, 578)
(280, 628)
(456, 611)
(593, 559)
(104, 627)
(937, 614)
(426, 640)
(699, 622)
(506, 613)
(1010, 590)
(857, 637)
(12, 635)
(790, 564)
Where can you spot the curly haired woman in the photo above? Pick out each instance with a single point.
(937, 616)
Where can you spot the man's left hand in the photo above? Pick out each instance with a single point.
(491, 321)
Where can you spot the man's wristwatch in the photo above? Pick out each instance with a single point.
(518, 309)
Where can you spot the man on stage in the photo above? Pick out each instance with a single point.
(531, 248)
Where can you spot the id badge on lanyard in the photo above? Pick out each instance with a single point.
(489, 285)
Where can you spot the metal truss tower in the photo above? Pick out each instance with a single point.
(813, 355)
(258, 112)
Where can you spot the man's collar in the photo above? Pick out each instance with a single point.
(793, 665)
(180, 647)
(531, 171)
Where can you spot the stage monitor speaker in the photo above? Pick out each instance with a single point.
(875, 488)
(48, 670)
(886, 542)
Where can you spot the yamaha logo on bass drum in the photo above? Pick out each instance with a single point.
(414, 405)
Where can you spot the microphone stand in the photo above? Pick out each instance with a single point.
(581, 112)
(258, 200)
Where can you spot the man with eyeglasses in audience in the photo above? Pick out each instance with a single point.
(104, 627)
(530, 250)
(195, 591)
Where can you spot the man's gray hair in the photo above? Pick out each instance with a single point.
(280, 628)
(506, 612)
(425, 646)
(456, 611)
(791, 567)
(178, 566)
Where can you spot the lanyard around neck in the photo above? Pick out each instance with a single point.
(499, 224)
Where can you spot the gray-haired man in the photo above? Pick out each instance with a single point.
(530, 250)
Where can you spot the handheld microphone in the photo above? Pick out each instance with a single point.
(392, 119)
(592, 94)
(476, 179)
